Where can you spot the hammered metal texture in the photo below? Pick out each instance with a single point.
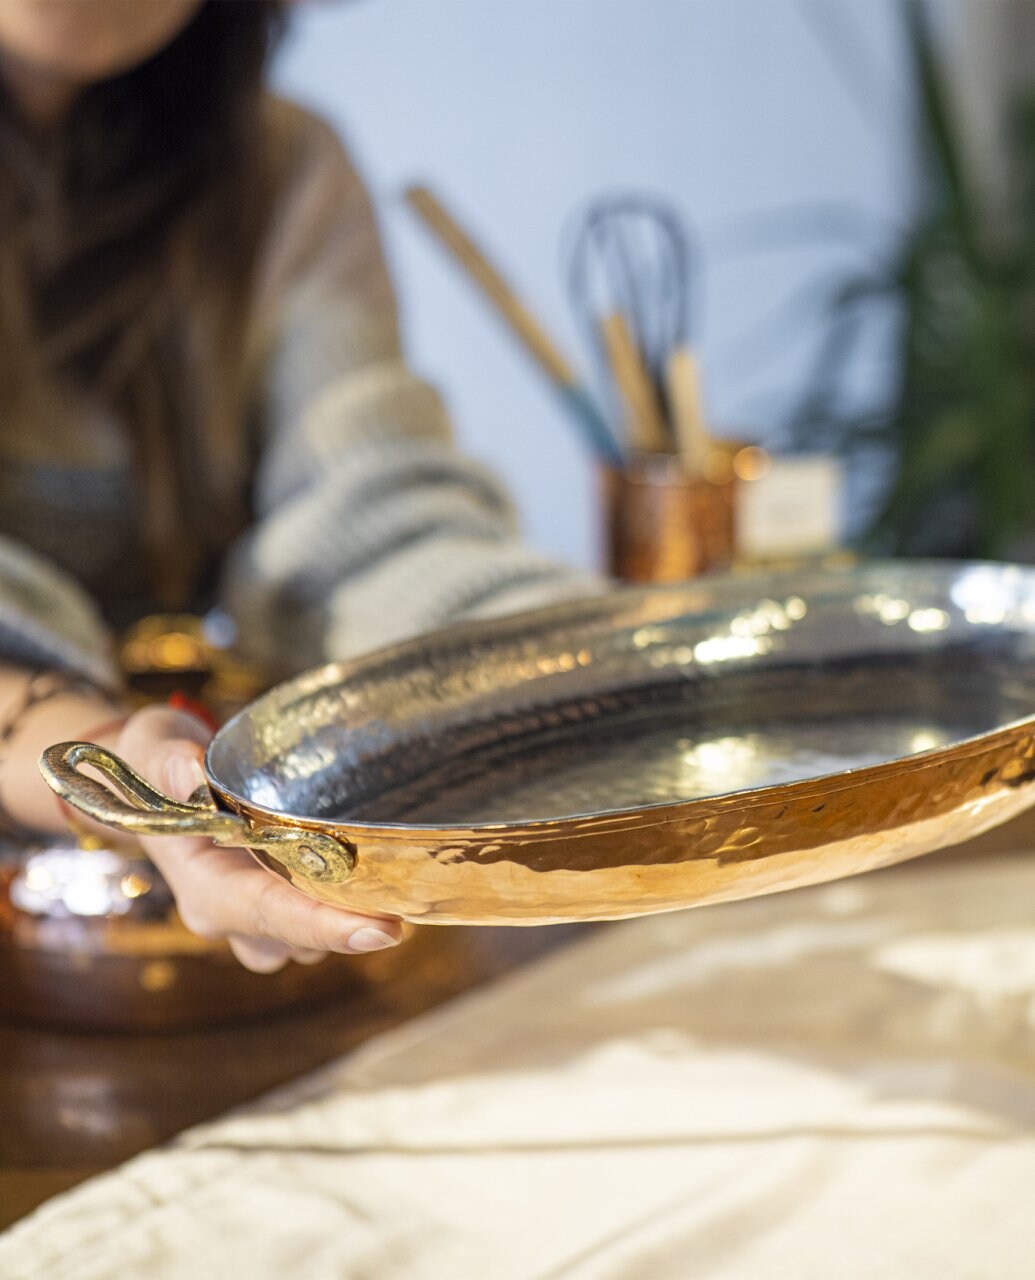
(655, 748)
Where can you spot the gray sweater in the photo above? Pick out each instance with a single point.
(369, 527)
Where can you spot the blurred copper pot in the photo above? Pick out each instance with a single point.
(90, 939)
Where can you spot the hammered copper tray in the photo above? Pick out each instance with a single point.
(647, 750)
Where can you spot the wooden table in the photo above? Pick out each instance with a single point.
(73, 1105)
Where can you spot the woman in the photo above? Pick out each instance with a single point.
(202, 400)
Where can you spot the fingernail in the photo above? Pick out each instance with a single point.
(371, 940)
(183, 776)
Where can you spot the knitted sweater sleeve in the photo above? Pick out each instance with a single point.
(371, 526)
(48, 620)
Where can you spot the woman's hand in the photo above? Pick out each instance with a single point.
(224, 893)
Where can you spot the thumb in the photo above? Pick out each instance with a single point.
(154, 737)
(182, 770)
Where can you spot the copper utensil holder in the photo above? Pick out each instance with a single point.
(663, 525)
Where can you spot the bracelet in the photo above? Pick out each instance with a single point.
(41, 687)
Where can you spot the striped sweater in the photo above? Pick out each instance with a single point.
(369, 525)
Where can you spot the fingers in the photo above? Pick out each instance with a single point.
(165, 747)
(263, 955)
(224, 893)
(148, 730)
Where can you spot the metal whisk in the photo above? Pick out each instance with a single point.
(629, 277)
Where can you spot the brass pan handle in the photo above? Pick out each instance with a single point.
(146, 811)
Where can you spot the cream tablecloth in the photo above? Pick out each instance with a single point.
(827, 1085)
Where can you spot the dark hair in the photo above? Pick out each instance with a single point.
(127, 249)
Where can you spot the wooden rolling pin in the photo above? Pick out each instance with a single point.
(519, 319)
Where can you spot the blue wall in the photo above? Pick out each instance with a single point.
(518, 110)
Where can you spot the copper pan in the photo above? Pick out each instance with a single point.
(638, 752)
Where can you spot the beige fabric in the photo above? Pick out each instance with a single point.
(836, 1084)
